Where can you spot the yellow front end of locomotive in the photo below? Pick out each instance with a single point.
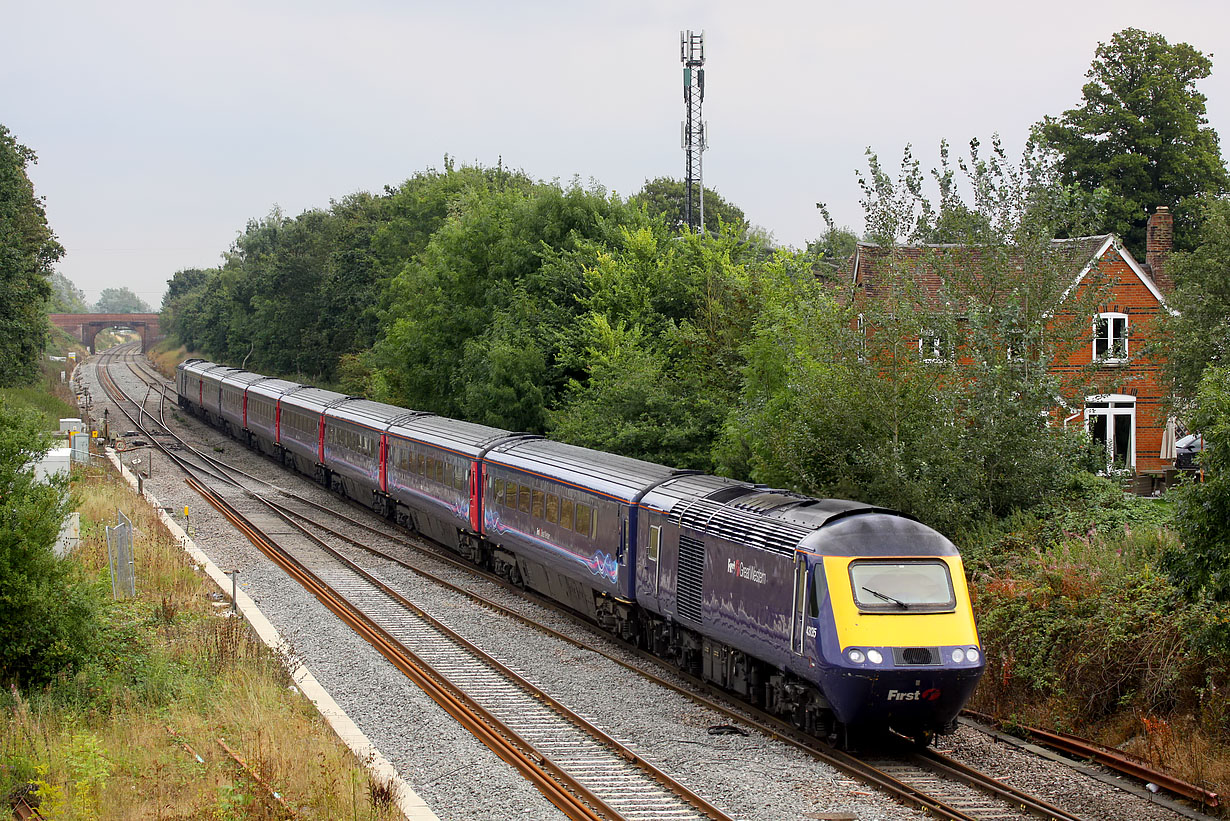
(891, 625)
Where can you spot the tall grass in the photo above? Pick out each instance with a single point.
(173, 672)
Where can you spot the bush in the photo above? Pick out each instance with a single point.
(47, 614)
(1202, 564)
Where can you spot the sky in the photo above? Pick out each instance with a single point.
(162, 128)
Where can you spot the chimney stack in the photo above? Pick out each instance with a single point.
(1158, 243)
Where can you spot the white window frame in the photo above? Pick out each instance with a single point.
(933, 348)
(1118, 404)
(1113, 344)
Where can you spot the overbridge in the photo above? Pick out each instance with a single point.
(86, 326)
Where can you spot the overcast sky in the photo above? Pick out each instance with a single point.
(162, 128)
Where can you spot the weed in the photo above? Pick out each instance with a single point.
(381, 793)
(166, 611)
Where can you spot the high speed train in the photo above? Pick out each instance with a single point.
(836, 615)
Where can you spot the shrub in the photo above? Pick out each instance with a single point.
(46, 612)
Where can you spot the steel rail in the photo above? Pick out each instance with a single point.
(526, 757)
(1113, 759)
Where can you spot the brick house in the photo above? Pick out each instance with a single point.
(1128, 417)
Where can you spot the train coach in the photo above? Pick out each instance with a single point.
(837, 615)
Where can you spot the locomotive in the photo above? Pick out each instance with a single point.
(836, 615)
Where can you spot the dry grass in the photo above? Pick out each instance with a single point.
(166, 355)
(109, 742)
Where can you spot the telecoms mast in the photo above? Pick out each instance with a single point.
(692, 55)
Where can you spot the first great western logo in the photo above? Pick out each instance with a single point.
(737, 567)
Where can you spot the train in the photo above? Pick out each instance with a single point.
(846, 619)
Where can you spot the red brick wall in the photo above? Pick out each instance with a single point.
(1141, 376)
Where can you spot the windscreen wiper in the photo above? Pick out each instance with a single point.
(898, 602)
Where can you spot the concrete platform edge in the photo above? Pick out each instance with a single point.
(410, 804)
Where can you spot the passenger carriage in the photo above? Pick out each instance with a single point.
(354, 448)
(433, 478)
(566, 512)
(233, 401)
(263, 413)
(301, 430)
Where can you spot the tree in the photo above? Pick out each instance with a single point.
(66, 298)
(1141, 133)
(833, 248)
(119, 301)
(501, 278)
(1199, 334)
(1202, 516)
(666, 197)
(46, 612)
(659, 359)
(28, 249)
(931, 400)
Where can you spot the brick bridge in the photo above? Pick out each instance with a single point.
(86, 326)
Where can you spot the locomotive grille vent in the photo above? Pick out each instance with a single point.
(742, 526)
(916, 655)
(690, 589)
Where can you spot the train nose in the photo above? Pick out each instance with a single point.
(903, 698)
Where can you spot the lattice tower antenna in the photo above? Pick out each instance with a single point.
(692, 55)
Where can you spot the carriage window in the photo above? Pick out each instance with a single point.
(498, 490)
(523, 498)
(552, 508)
(899, 586)
(440, 471)
(536, 505)
(584, 519)
(448, 474)
(459, 479)
(655, 542)
(565, 513)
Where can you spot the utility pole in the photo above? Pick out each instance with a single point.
(692, 55)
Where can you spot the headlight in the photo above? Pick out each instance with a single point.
(972, 654)
(958, 655)
(855, 656)
(874, 657)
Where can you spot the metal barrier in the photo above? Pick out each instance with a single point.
(119, 554)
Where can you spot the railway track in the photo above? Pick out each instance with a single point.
(942, 786)
(583, 771)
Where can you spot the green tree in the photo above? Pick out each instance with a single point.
(46, 611)
(120, 301)
(65, 296)
(927, 387)
(659, 356)
(503, 272)
(666, 197)
(1199, 334)
(1141, 133)
(1202, 516)
(28, 249)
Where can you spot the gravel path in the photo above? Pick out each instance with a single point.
(751, 777)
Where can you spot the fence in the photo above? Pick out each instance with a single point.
(119, 554)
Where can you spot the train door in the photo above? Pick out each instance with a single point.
(384, 463)
(797, 625)
(653, 558)
(476, 496)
